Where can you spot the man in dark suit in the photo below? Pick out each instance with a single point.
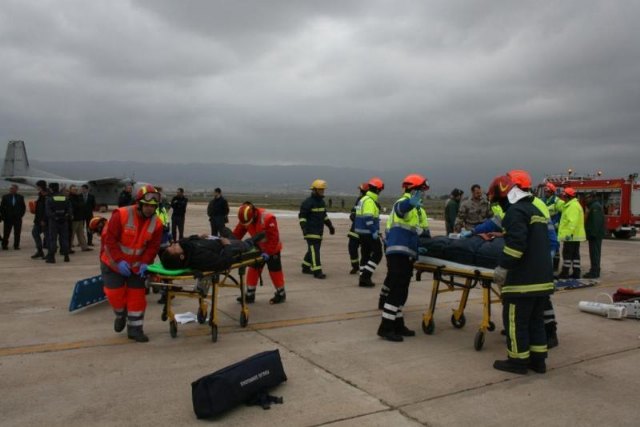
(218, 212)
(89, 207)
(12, 209)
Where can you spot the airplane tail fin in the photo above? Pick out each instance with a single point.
(16, 162)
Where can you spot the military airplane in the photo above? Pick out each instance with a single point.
(16, 169)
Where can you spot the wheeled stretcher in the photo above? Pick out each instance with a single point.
(191, 284)
(449, 276)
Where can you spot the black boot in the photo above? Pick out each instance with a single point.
(387, 331)
(538, 365)
(66, 258)
(37, 255)
(355, 268)
(588, 275)
(249, 298)
(564, 273)
(552, 335)
(137, 334)
(306, 270)
(51, 259)
(120, 322)
(512, 365)
(278, 298)
(318, 274)
(365, 280)
(402, 330)
(576, 273)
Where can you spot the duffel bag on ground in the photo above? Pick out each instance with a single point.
(239, 383)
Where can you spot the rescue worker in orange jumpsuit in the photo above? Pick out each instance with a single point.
(254, 220)
(130, 243)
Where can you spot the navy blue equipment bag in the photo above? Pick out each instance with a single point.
(239, 383)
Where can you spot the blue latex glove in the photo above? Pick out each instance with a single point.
(124, 268)
(422, 250)
(143, 270)
(375, 235)
(265, 256)
(466, 233)
(416, 199)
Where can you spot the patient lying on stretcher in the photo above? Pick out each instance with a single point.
(206, 253)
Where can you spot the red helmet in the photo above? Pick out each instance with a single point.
(549, 186)
(569, 191)
(520, 178)
(148, 195)
(415, 182)
(247, 213)
(97, 222)
(363, 187)
(499, 187)
(376, 182)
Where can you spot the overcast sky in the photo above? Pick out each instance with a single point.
(424, 85)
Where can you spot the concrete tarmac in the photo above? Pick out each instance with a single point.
(63, 369)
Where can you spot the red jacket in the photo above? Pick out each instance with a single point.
(130, 237)
(266, 222)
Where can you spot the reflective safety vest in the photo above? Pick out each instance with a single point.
(571, 226)
(404, 225)
(60, 206)
(551, 229)
(555, 206)
(367, 214)
(136, 234)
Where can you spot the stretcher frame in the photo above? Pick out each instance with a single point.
(448, 273)
(205, 282)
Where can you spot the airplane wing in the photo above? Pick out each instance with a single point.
(105, 181)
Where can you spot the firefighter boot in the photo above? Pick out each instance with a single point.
(318, 274)
(365, 280)
(249, 297)
(592, 275)
(552, 335)
(279, 297)
(136, 333)
(387, 330)
(515, 366)
(564, 273)
(576, 273)
(38, 254)
(306, 269)
(355, 268)
(538, 365)
(402, 330)
(51, 259)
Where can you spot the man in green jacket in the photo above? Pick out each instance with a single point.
(571, 233)
(594, 228)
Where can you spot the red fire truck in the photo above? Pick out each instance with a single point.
(620, 198)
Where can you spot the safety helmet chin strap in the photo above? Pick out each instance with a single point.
(516, 194)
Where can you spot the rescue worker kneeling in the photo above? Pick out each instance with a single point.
(406, 223)
(130, 242)
(525, 275)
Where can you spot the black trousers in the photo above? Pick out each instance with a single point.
(523, 319)
(217, 225)
(399, 273)
(371, 254)
(571, 255)
(58, 230)
(9, 224)
(89, 233)
(595, 250)
(312, 257)
(177, 226)
(354, 245)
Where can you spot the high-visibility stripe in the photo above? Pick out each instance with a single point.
(512, 252)
(318, 209)
(353, 234)
(528, 288)
(362, 230)
(535, 219)
(538, 348)
(512, 329)
(135, 322)
(312, 236)
(400, 248)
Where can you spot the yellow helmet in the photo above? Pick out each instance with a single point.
(319, 184)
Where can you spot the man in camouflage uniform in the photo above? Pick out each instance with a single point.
(473, 210)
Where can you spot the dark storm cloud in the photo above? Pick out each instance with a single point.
(471, 87)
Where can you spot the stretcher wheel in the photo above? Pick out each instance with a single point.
(492, 326)
(428, 328)
(202, 316)
(214, 333)
(173, 328)
(244, 319)
(458, 323)
(478, 341)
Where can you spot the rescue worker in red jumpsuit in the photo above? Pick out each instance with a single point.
(130, 243)
(525, 275)
(254, 220)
